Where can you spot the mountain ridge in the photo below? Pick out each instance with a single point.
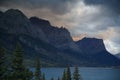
(54, 45)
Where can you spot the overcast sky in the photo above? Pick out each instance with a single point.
(90, 18)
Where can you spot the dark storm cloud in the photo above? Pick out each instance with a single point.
(57, 6)
(112, 5)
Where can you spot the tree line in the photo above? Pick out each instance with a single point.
(67, 74)
(14, 68)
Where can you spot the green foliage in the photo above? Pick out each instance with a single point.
(19, 71)
(43, 76)
(68, 74)
(58, 78)
(28, 74)
(52, 78)
(17, 64)
(38, 70)
(76, 75)
(64, 75)
(3, 66)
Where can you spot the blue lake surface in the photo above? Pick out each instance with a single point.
(86, 73)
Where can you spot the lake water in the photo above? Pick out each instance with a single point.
(86, 73)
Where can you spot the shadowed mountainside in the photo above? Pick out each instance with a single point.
(54, 45)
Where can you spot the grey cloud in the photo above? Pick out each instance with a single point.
(112, 5)
(56, 6)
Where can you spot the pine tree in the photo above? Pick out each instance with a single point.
(43, 76)
(58, 78)
(52, 78)
(38, 70)
(28, 74)
(3, 66)
(19, 71)
(17, 64)
(68, 74)
(76, 75)
(64, 75)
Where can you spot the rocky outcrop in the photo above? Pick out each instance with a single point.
(59, 37)
(91, 45)
(55, 45)
(95, 51)
(15, 22)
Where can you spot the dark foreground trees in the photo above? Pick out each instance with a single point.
(43, 76)
(52, 78)
(76, 75)
(38, 70)
(18, 70)
(67, 74)
(3, 66)
(17, 67)
(64, 77)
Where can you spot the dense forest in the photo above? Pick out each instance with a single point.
(15, 69)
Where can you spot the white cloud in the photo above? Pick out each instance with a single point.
(112, 47)
(92, 22)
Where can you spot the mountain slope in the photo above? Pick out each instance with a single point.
(95, 51)
(118, 55)
(59, 37)
(14, 21)
(54, 45)
(91, 45)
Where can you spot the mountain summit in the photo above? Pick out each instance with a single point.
(54, 45)
(91, 45)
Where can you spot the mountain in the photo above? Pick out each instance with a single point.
(16, 27)
(118, 55)
(59, 37)
(54, 45)
(96, 52)
(91, 45)
(14, 21)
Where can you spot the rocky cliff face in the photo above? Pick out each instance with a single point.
(59, 37)
(15, 22)
(95, 51)
(55, 45)
(91, 45)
